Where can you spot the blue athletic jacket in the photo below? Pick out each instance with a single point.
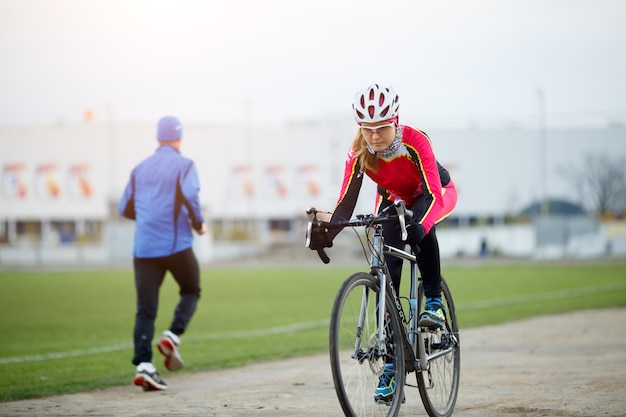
(162, 197)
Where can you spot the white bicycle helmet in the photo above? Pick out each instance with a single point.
(375, 103)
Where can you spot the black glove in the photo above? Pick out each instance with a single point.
(416, 233)
(320, 238)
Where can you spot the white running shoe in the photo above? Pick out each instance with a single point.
(148, 378)
(168, 346)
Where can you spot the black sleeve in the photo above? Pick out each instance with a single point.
(443, 174)
(348, 201)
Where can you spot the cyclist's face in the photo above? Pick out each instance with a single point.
(379, 135)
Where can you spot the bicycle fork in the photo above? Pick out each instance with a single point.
(374, 352)
(377, 256)
(361, 356)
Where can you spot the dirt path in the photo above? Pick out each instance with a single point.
(568, 365)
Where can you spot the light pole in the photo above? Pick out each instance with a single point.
(543, 153)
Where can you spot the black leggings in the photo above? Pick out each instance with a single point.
(428, 260)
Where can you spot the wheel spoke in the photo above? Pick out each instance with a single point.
(356, 371)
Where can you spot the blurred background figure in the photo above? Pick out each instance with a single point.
(162, 197)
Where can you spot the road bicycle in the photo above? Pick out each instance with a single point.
(360, 348)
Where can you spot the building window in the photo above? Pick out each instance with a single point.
(63, 231)
(91, 231)
(28, 231)
(4, 231)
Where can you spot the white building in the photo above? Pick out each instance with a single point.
(60, 184)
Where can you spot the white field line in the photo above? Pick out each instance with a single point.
(63, 355)
(550, 296)
(320, 323)
(127, 346)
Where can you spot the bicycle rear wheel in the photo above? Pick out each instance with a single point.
(439, 384)
(355, 358)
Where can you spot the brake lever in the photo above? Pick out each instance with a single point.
(312, 215)
(403, 215)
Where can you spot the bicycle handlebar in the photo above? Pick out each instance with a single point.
(402, 215)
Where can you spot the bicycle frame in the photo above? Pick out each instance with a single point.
(389, 250)
(379, 269)
(414, 360)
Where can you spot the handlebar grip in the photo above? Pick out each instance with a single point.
(322, 254)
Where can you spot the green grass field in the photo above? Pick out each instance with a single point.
(71, 331)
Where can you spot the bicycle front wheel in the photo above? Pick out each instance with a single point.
(439, 384)
(358, 360)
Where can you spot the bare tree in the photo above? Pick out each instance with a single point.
(600, 182)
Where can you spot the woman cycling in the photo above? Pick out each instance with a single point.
(401, 161)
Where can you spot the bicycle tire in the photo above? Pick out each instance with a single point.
(355, 380)
(439, 384)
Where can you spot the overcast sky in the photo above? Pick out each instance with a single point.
(271, 60)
